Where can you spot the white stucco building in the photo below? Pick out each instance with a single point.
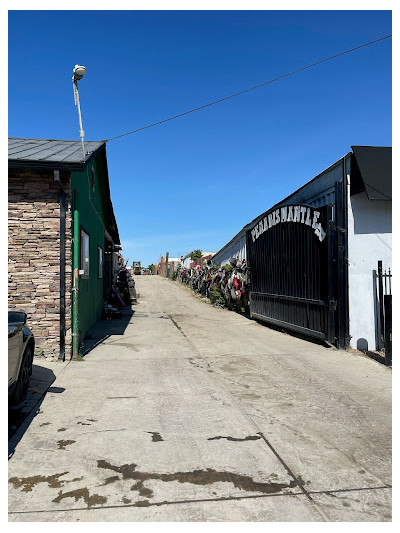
(357, 191)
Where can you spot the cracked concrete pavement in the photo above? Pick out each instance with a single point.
(185, 412)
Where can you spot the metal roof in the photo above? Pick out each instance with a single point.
(50, 153)
(375, 170)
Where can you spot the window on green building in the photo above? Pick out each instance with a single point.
(85, 253)
(100, 261)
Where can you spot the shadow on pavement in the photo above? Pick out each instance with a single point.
(377, 356)
(20, 416)
(103, 329)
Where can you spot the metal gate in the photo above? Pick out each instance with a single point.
(383, 303)
(291, 255)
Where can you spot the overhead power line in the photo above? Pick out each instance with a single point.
(251, 88)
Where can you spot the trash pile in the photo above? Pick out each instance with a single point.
(120, 296)
(225, 286)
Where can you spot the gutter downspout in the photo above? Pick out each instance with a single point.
(75, 280)
(61, 356)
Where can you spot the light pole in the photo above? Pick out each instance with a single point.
(78, 73)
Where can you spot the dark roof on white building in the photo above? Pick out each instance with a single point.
(51, 153)
(371, 171)
(375, 171)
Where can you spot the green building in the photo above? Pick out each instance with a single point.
(62, 237)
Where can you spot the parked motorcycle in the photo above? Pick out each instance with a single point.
(226, 286)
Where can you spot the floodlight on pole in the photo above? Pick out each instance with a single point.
(78, 73)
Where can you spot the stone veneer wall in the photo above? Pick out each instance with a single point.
(34, 255)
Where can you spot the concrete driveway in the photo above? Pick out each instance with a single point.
(192, 413)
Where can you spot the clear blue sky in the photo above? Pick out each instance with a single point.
(196, 181)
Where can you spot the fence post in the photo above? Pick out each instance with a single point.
(381, 315)
(388, 329)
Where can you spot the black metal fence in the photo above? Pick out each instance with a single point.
(383, 279)
(291, 270)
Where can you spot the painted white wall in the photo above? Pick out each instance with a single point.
(369, 240)
(237, 248)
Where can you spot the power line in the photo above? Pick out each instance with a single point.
(251, 88)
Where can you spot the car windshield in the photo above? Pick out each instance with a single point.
(16, 317)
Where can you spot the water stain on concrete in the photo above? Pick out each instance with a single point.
(125, 500)
(234, 439)
(28, 483)
(197, 477)
(128, 345)
(143, 491)
(110, 480)
(63, 443)
(78, 494)
(143, 503)
(155, 436)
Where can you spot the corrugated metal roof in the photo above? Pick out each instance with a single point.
(50, 153)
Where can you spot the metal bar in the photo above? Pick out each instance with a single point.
(381, 314)
(292, 298)
(388, 329)
(61, 356)
(75, 291)
(331, 281)
(340, 222)
(294, 327)
(78, 105)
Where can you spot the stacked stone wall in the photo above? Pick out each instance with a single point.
(34, 256)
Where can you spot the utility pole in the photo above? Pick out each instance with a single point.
(166, 265)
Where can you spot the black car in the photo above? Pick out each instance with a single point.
(21, 347)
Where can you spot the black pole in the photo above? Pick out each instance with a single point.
(381, 315)
(388, 329)
(61, 356)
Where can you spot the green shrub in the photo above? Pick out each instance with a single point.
(196, 254)
(216, 297)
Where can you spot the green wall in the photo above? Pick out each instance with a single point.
(90, 204)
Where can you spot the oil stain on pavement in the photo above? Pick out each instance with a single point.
(196, 477)
(155, 436)
(234, 439)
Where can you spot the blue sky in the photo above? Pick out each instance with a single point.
(196, 181)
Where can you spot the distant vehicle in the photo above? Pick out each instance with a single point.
(146, 272)
(21, 347)
(137, 269)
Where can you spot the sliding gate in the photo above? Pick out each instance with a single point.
(291, 258)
